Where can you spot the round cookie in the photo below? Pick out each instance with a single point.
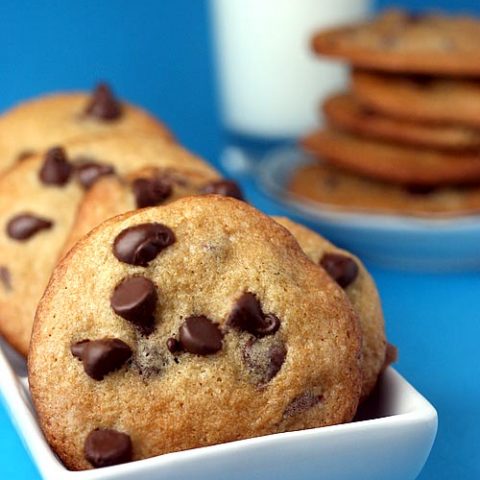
(403, 43)
(360, 288)
(324, 186)
(112, 196)
(36, 125)
(394, 162)
(344, 112)
(432, 100)
(191, 324)
(49, 188)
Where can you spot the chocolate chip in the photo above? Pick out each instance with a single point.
(106, 447)
(5, 278)
(103, 105)
(420, 189)
(227, 188)
(200, 335)
(341, 268)
(247, 315)
(263, 359)
(149, 192)
(414, 17)
(26, 225)
(424, 82)
(173, 345)
(78, 347)
(100, 357)
(135, 299)
(367, 111)
(24, 154)
(139, 245)
(89, 171)
(301, 404)
(56, 169)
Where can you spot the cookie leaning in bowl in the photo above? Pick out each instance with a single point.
(392, 162)
(404, 43)
(36, 125)
(323, 186)
(151, 186)
(191, 324)
(432, 100)
(39, 198)
(349, 272)
(344, 112)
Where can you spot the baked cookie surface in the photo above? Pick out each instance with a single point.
(112, 196)
(344, 112)
(403, 43)
(329, 187)
(190, 324)
(349, 272)
(393, 162)
(36, 125)
(431, 100)
(39, 198)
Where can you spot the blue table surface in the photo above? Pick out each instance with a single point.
(158, 54)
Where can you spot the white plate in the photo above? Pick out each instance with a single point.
(393, 240)
(392, 442)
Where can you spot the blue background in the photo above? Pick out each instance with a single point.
(157, 53)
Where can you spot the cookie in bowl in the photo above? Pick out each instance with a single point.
(350, 274)
(191, 324)
(148, 187)
(36, 125)
(39, 198)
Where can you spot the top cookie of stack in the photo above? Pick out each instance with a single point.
(74, 142)
(410, 127)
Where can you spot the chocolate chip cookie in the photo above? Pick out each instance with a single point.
(349, 272)
(394, 163)
(324, 186)
(427, 99)
(191, 324)
(345, 112)
(111, 196)
(400, 42)
(39, 198)
(38, 124)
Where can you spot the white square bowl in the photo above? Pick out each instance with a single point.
(391, 438)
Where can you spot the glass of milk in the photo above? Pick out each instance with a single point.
(271, 85)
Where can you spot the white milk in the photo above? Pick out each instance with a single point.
(271, 83)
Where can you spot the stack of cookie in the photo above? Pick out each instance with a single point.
(189, 318)
(406, 138)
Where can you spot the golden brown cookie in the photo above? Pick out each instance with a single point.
(349, 272)
(191, 324)
(36, 125)
(111, 196)
(324, 186)
(39, 198)
(431, 100)
(393, 162)
(396, 41)
(344, 112)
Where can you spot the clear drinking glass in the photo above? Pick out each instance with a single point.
(270, 83)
